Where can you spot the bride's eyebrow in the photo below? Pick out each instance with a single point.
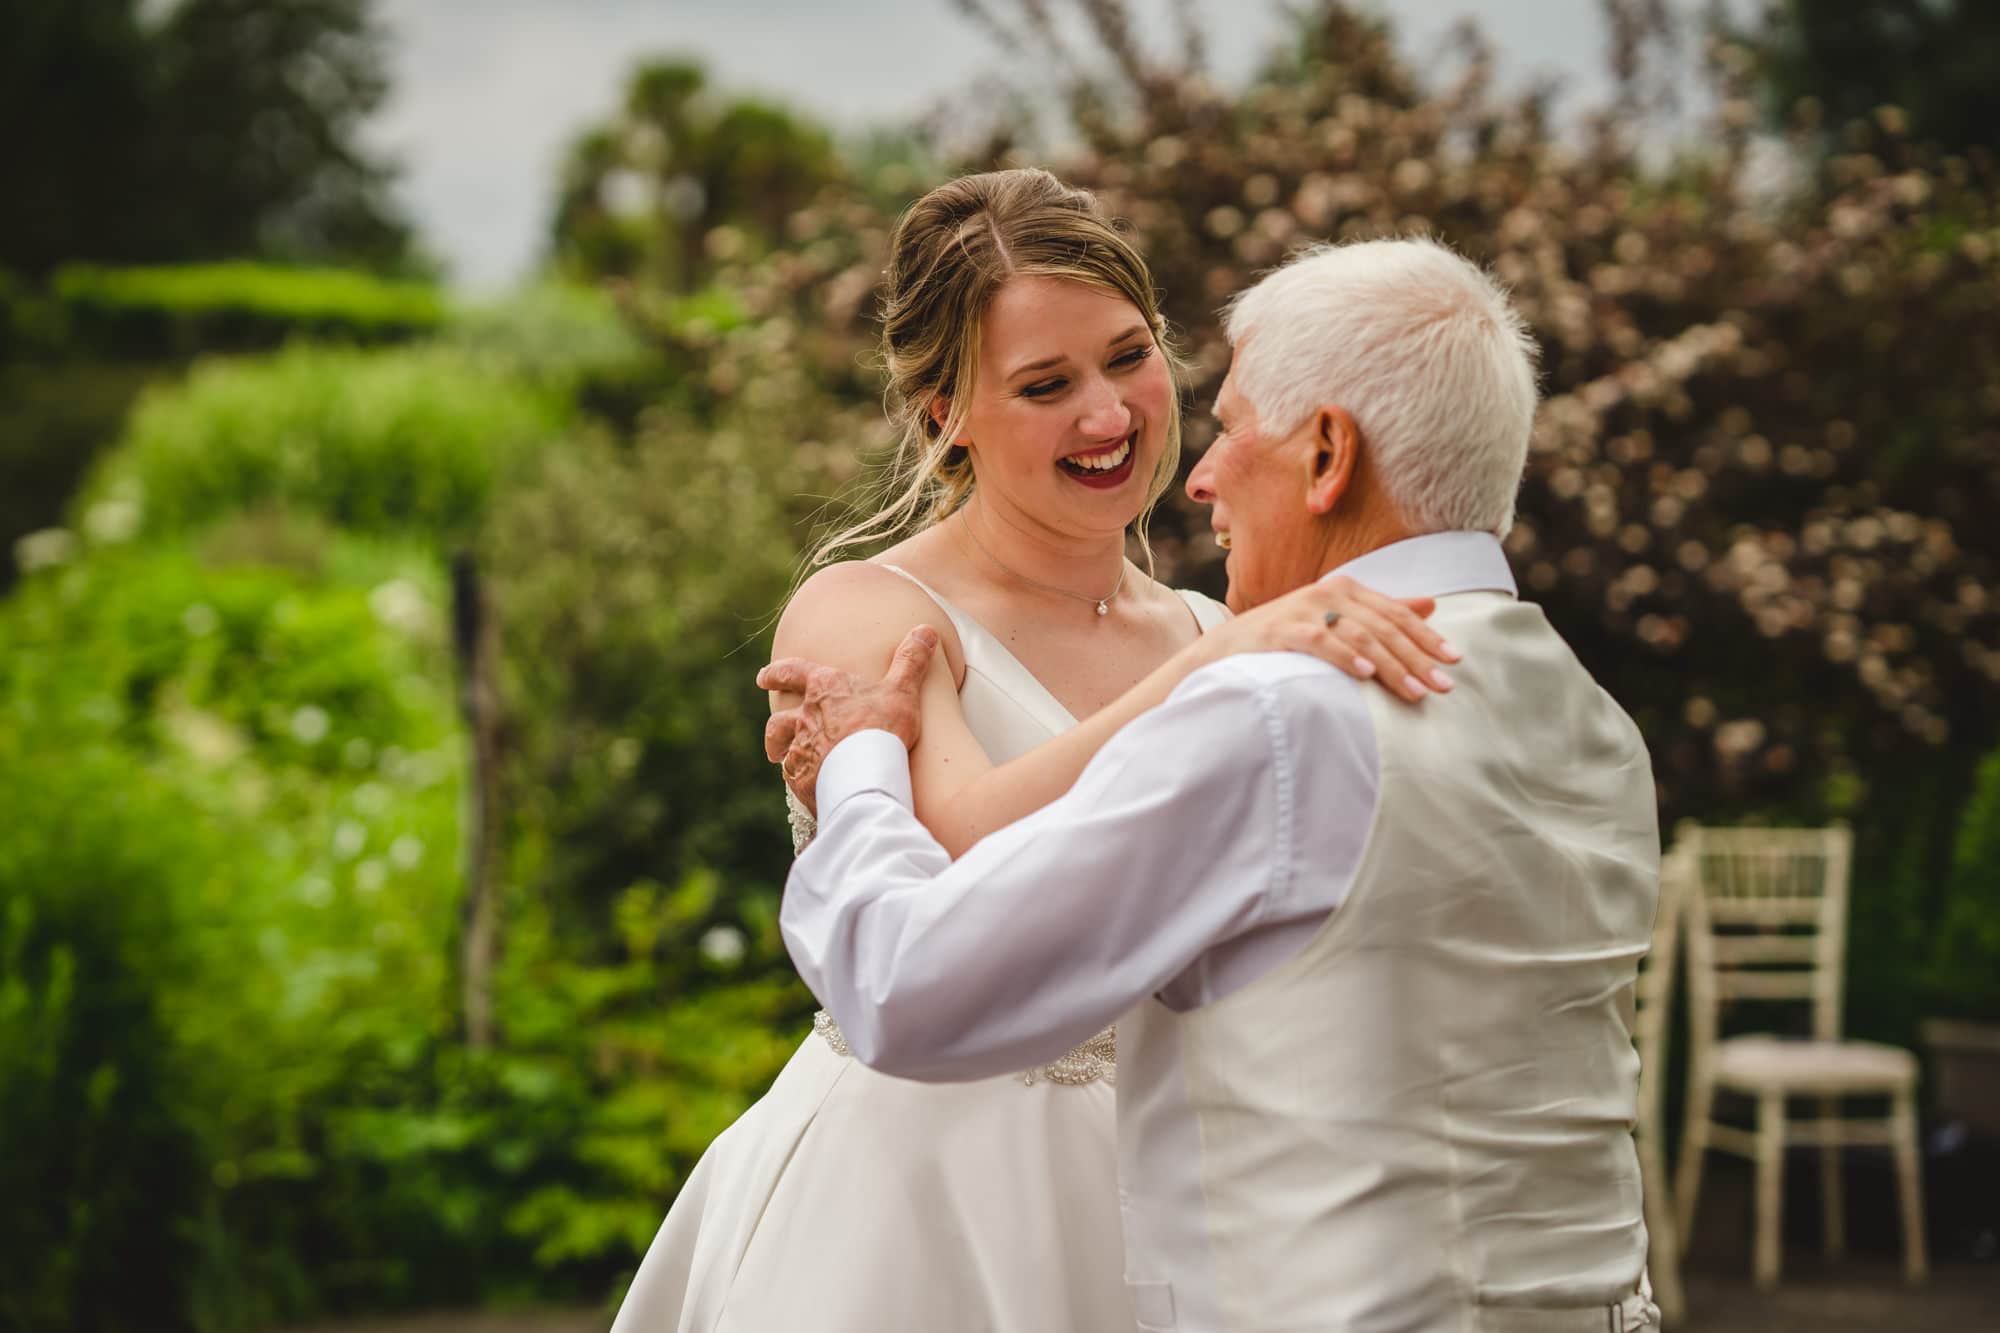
(1042, 364)
(1046, 362)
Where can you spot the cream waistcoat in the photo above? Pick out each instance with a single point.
(1422, 1121)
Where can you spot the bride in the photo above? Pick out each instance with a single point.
(1035, 386)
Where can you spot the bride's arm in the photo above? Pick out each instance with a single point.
(852, 616)
(1376, 637)
(855, 620)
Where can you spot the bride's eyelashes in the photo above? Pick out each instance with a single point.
(1123, 361)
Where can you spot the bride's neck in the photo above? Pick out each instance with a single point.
(1002, 542)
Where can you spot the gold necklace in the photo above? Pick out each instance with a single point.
(1103, 603)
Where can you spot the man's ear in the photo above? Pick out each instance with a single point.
(1336, 448)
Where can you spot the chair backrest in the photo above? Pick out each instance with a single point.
(1767, 920)
(1655, 993)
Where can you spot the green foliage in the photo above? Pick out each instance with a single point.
(1904, 834)
(29, 322)
(637, 724)
(77, 73)
(542, 1168)
(1932, 60)
(54, 421)
(619, 1074)
(645, 974)
(1966, 979)
(561, 334)
(74, 354)
(571, 341)
(408, 440)
(682, 179)
(287, 686)
(93, 933)
(185, 310)
(230, 900)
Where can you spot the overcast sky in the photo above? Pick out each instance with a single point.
(489, 92)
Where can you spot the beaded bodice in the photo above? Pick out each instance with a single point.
(1093, 1060)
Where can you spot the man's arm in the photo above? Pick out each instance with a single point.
(1176, 837)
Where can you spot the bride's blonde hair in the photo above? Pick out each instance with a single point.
(951, 252)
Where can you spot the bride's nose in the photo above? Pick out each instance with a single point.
(1105, 414)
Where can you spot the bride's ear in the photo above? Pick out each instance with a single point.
(941, 413)
(1336, 445)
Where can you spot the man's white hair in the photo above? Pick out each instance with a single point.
(1424, 352)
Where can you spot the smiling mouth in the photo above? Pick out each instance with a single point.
(1106, 466)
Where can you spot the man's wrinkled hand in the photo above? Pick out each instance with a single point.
(836, 704)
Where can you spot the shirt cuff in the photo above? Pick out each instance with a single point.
(865, 761)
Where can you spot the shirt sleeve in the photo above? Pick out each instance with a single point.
(867, 761)
(1176, 837)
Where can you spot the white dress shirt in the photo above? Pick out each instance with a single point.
(1179, 865)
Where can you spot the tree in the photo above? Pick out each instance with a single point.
(261, 104)
(1935, 60)
(74, 96)
(681, 178)
(213, 129)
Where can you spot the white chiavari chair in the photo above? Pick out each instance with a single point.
(1766, 915)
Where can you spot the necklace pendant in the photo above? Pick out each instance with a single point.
(1103, 610)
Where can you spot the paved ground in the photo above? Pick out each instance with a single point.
(1865, 1292)
(1864, 1296)
(475, 1321)
(1860, 1298)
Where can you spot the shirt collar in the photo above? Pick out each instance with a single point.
(1436, 564)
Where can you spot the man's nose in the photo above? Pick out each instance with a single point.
(1199, 489)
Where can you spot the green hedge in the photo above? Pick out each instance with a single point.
(229, 881)
(539, 354)
(230, 1080)
(184, 310)
(55, 419)
(398, 440)
(94, 879)
(558, 334)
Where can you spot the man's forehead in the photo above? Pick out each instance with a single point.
(1229, 398)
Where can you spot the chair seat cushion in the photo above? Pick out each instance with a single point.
(1768, 1064)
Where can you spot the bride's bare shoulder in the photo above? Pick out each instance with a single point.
(854, 613)
(1208, 612)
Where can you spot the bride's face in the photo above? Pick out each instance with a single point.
(1070, 405)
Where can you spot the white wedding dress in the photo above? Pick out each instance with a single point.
(847, 1201)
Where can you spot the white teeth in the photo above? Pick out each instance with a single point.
(1222, 540)
(1103, 462)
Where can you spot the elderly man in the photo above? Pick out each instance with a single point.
(1371, 966)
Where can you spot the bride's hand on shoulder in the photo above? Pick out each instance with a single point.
(1364, 633)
